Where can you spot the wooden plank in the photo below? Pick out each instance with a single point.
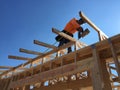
(65, 70)
(106, 75)
(18, 57)
(52, 51)
(111, 67)
(6, 84)
(26, 87)
(38, 57)
(81, 44)
(115, 58)
(69, 85)
(1, 71)
(116, 79)
(44, 44)
(11, 79)
(6, 67)
(100, 46)
(29, 51)
(97, 79)
(86, 19)
(100, 78)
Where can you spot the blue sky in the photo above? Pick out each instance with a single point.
(22, 21)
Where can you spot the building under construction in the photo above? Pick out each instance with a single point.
(88, 67)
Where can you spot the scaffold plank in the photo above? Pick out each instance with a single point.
(18, 57)
(44, 44)
(30, 51)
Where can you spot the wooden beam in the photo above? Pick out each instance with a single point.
(18, 57)
(113, 75)
(29, 51)
(111, 67)
(38, 57)
(116, 79)
(69, 85)
(80, 66)
(6, 67)
(2, 71)
(81, 44)
(44, 44)
(87, 20)
(97, 78)
(100, 77)
(115, 58)
(100, 46)
(63, 34)
(51, 52)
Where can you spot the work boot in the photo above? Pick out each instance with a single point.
(84, 33)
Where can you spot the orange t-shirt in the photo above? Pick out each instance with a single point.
(71, 26)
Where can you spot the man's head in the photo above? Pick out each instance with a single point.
(80, 21)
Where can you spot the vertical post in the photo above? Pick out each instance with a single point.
(6, 84)
(96, 72)
(1, 83)
(11, 80)
(99, 36)
(75, 53)
(99, 73)
(88, 21)
(115, 58)
(41, 65)
(27, 87)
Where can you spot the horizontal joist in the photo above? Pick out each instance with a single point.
(113, 68)
(100, 46)
(2, 71)
(44, 44)
(40, 56)
(18, 57)
(79, 83)
(6, 67)
(80, 44)
(29, 51)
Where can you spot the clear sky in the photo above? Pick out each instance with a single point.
(22, 21)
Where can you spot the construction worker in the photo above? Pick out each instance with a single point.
(71, 27)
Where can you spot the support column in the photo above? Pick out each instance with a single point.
(100, 77)
(27, 87)
(7, 82)
(8, 88)
(115, 58)
(1, 83)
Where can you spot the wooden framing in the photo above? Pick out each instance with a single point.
(38, 57)
(91, 59)
(44, 44)
(100, 82)
(6, 67)
(115, 58)
(69, 85)
(102, 36)
(79, 44)
(84, 62)
(18, 57)
(29, 51)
